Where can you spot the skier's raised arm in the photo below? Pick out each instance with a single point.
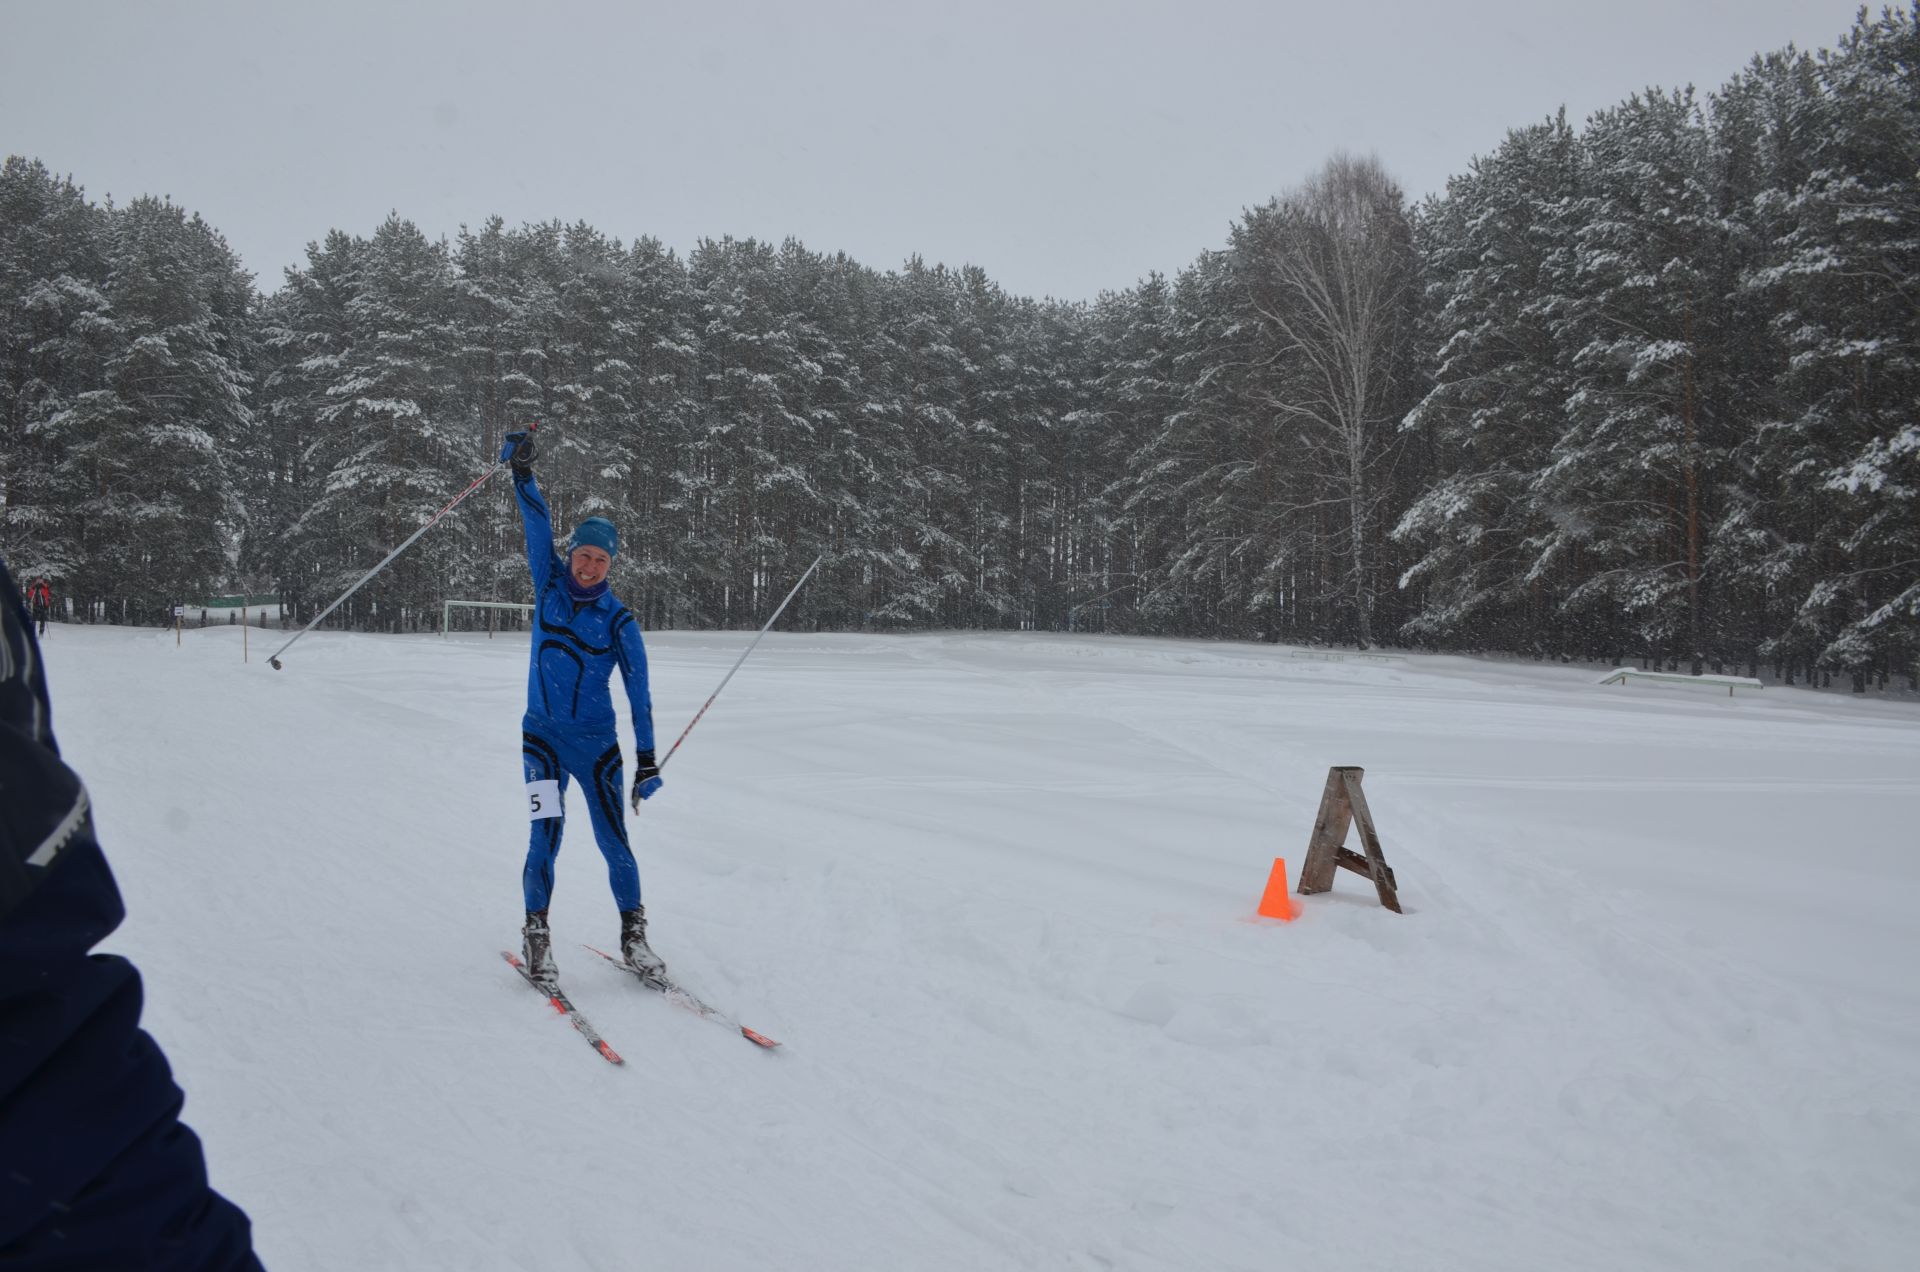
(535, 519)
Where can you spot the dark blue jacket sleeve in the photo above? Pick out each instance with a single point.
(96, 1169)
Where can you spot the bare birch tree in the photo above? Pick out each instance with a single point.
(1329, 275)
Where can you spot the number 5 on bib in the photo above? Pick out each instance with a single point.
(543, 799)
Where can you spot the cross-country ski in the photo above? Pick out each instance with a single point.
(564, 1005)
(686, 1000)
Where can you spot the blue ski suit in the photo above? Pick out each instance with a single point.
(568, 730)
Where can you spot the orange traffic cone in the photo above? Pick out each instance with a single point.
(1274, 902)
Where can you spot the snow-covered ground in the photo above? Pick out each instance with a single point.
(1652, 1004)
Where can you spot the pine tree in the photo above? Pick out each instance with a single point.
(1208, 472)
(865, 453)
(387, 436)
(307, 337)
(1847, 267)
(55, 322)
(1763, 125)
(1630, 481)
(1493, 411)
(1136, 392)
(657, 343)
(142, 461)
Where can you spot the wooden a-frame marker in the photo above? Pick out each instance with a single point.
(1342, 803)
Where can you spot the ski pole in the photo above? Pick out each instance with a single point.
(274, 660)
(743, 657)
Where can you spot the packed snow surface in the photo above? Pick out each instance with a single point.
(1652, 1005)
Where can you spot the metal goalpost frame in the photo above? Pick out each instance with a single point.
(446, 610)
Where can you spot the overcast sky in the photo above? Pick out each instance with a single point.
(1065, 148)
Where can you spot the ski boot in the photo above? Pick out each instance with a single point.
(536, 947)
(634, 949)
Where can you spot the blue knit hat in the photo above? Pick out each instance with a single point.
(597, 532)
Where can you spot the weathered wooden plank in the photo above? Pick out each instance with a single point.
(1377, 860)
(1329, 832)
(1351, 860)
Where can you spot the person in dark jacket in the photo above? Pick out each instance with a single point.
(96, 1169)
(40, 603)
(581, 632)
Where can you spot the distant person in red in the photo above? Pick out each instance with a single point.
(40, 602)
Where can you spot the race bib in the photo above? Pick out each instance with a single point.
(543, 799)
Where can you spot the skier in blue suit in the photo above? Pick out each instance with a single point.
(580, 634)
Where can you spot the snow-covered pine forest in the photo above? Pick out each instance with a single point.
(1642, 388)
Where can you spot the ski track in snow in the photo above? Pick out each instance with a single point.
(1651, 1005)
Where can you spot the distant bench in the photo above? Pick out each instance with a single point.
(1343, 655)
(1620, 676)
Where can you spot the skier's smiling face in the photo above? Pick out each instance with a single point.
(589, 565)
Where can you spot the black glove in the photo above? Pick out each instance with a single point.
(517, 449)
(646, 778)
